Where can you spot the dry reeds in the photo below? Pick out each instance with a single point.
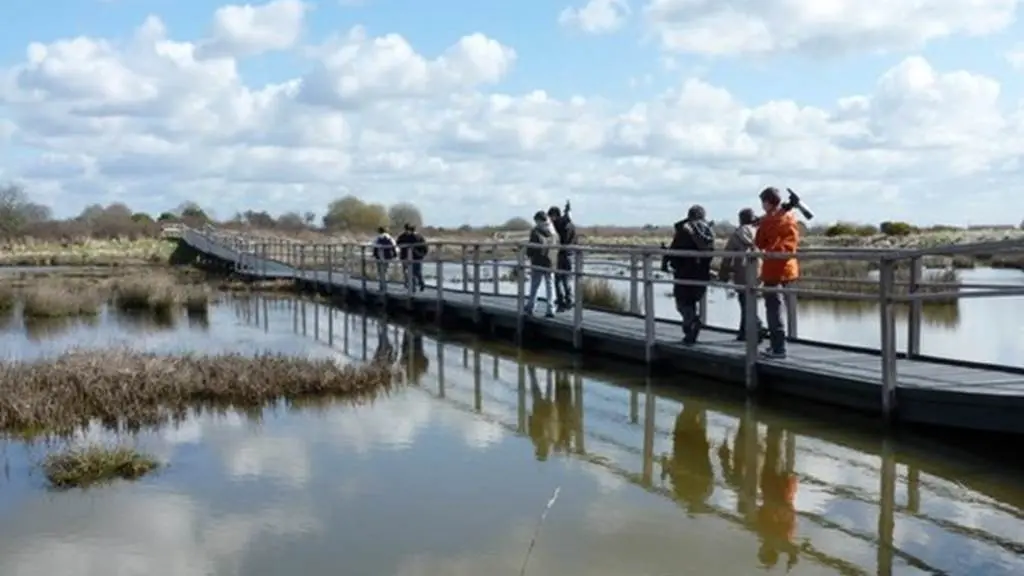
(159, 294)
(81, 467)
(123, 389)
(8, 298)
(54, 300)
(599, 293)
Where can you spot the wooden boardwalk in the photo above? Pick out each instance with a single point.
(929, 391)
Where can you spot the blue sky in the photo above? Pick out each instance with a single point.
(617, 72)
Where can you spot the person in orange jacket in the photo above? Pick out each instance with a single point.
(777, 232)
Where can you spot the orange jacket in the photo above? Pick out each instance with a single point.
(778, 232)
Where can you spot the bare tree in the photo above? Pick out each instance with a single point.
(404, 213)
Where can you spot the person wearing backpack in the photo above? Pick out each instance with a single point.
(383, 252)
(543, 241)
(692, 234)
(412, 250)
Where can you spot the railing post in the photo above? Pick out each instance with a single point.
(521, 272)
(751, 330)
(916, 308)
(362, 264)
(330, 269)
(649, 312)
(886, 280)
(577, 288)
(266, 261)
(634, 284)
(345, 273)
(439, 310)
(465, 269)
(495, 270)
(302, 260)
(476, 282)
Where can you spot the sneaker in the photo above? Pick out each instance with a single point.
(550, 314)
(770, 354)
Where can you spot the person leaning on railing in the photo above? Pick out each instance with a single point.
(732, 269)
(777, 232)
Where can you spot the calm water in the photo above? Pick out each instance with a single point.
(978, 329)
(449, 476)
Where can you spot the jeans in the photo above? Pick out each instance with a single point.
(538, 275)
(742, 297)
(773, 311)
(688, 310)
(382, 274)
(413, 272)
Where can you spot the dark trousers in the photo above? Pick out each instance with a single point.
(414, 275)
(742, 297)
(773, 311)
(687, 299)
(563, 272)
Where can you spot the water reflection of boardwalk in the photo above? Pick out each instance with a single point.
(810, 495)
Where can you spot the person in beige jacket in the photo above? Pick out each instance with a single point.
(732, 269)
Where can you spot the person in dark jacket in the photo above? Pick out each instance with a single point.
(693, 234)
(566, 231)
(542, 241)
(383, 253)
(689, 468)
(412, 249)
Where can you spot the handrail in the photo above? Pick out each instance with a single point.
(353, 261)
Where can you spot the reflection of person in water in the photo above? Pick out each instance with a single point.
(539, 423)
(734, 465)
(776, 518)
(385, 352)
(689, 468)
(565, 408)
(413, 356)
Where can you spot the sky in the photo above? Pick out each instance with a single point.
(482, 111)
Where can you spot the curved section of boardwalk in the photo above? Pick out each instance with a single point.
(929, 391)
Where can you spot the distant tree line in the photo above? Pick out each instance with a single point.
(21, 217)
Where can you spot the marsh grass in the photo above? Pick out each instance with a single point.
(159, 294)
(59, 300)
(8, 298)
(599, 293)
(855, 278)
(104, 253)
(128, 390)
(85, 466)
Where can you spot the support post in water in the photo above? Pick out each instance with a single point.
(650, 328)
(362, 265)
(344, 271)
(916, 308)
(577, 309)
(886, 281)
(634, 284)
(750, 325)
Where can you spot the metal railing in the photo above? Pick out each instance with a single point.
(640, 266)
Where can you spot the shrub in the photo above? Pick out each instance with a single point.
(896, 228)
(96, 464)
(52, 300)
(599, 293)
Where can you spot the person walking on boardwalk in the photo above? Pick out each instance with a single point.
(412, 248)
(542, 241)
(777, 233)
(566, 237)
(693, 234)
(733, 270)
(383, 253)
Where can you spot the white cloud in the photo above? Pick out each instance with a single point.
(596, 16)
(249, 30)
(726, 27)
(1015, 56)
(152, 121)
